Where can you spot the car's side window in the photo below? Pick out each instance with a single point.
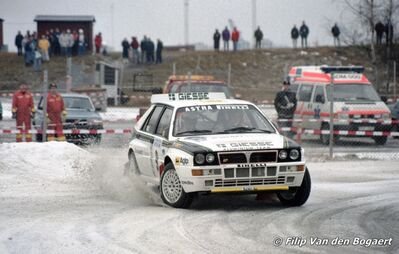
(319, 95)
(164, 123)
(305, 93)
(151, 123)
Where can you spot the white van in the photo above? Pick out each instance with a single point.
(358, 109)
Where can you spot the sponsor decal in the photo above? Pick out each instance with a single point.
(251, 165)
(189, 96)
(355, 76)
(187, 183)
(181, 161)
(232, 107)
(198, 108)
(245, 145)
(157, 142)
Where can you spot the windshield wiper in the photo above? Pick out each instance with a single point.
(245, 129)
(193, 131)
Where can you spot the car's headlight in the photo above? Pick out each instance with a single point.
(294, 154)
(210, 158)
(199, 158)
(282, 154)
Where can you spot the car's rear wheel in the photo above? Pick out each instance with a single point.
(172, 192)
(296, 196)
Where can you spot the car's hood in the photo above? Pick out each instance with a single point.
(233, 142)
(83, 114)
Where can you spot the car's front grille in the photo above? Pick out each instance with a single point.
(254, 171)
(232, 158)
(267, 156)
(248, 156)
(76, 124)
(249, 181)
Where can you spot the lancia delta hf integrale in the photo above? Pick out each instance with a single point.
(191, 143)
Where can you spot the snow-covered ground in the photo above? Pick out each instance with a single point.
(58, 198)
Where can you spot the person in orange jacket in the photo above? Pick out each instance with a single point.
(235, 36)
(55, 113)
(23, 110)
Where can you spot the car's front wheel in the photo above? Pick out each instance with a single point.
(172, 192)
(296, 196)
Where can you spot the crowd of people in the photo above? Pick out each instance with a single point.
(143, 51)
(53, 43)
(226, 36)
(381, 29)
(23, 111)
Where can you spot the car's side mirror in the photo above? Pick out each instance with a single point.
(320, 99)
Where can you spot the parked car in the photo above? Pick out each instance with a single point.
(196, 143)
(394, 107)
(81, 116)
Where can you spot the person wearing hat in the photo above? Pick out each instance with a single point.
(285, 105)
(55, 113)
(23, 110)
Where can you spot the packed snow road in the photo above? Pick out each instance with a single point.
(59, 198)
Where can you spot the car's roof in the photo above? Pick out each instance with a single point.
(74, 95)
(214, 99)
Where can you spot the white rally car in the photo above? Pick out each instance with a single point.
(190, 143)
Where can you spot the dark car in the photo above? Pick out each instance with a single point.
(81, 116)
(394, 107)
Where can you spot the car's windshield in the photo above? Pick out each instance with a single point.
(353, 92)
(201, 87)
(78, 103)
(220, 119)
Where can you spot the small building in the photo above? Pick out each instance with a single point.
(1, 34)
(64, 22)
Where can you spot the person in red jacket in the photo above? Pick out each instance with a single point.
(23, 110)
(235, 36)
(98, 40)
(55, 113)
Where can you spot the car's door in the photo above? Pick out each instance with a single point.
(145, 139)
(160, 139)
(318, 106)
(304, 104)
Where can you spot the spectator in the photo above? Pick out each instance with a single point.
(18, 42)
(98, 43)
(23, 110)
(258, 38)
(57, 45)
(389, 32)
(379, 30)
(235, 36)
(28, 50)
(44, 46)
(37, 62)
(285, 105)
(70, 42)
(150, 50)
(143, 48)
(159, 51)
(55, 113)
(336, 32)
(226, 38)
(81, 43)
(216, 40)
(304, 32)
(294, 36)
(125, 50)
(135, 47)
(63, 40)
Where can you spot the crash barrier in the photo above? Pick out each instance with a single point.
(71, 131)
